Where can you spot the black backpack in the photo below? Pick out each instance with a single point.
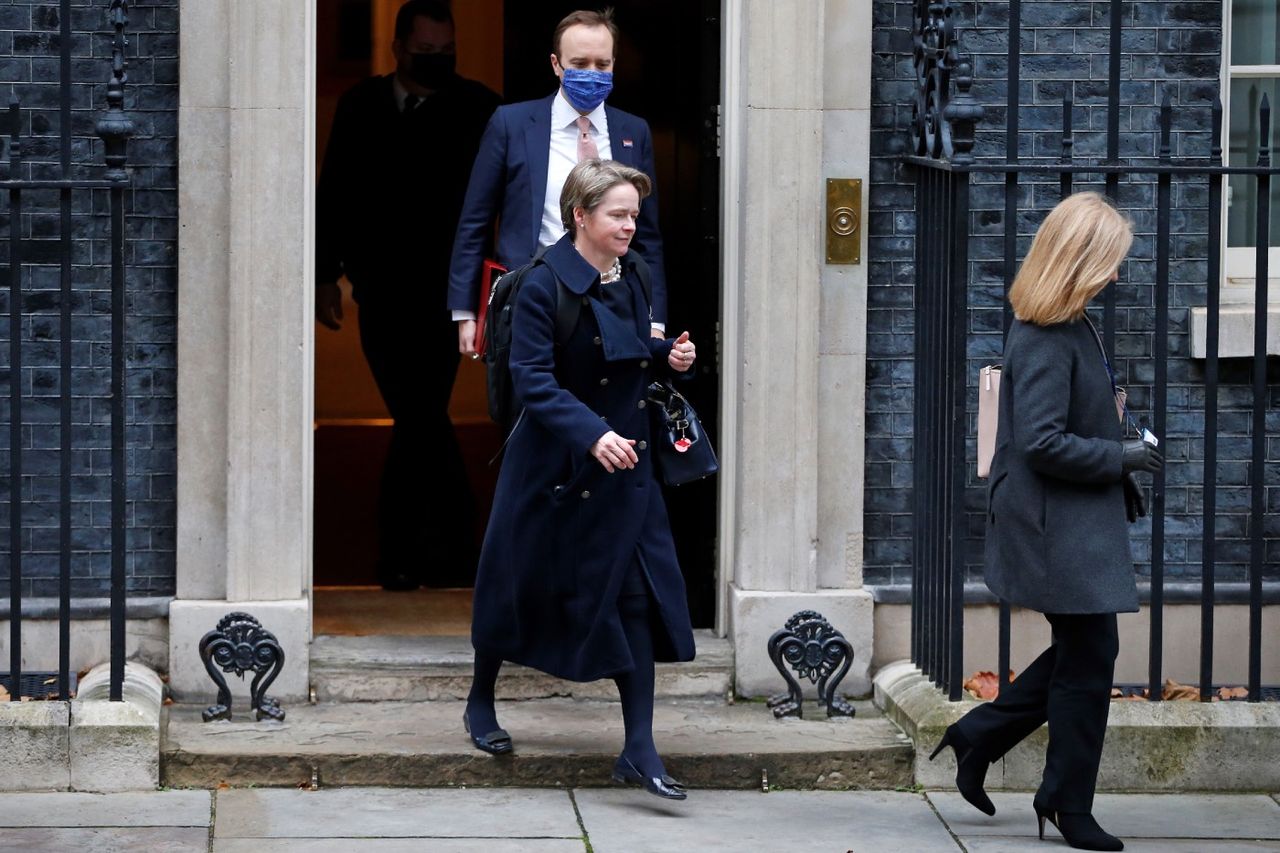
(503, 408)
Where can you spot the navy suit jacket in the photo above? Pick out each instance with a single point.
(509, 183)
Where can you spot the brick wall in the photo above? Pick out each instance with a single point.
(1168, 47)
(29, 66)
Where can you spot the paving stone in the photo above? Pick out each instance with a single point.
(863, 821)
(402, 845)
(1138, 816)
(132, 809)
(395, 813)
(154, 839)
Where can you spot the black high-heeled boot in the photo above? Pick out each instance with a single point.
(1078, 829)
(971, 769)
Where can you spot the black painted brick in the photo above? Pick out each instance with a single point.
(29, 61)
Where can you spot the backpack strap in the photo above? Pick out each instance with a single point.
(568, 309)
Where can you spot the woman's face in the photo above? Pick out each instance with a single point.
(611, 225)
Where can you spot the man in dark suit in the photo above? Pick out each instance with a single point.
(387, 205)
(527, 152)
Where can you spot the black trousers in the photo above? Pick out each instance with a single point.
(1069, 686)
(414, 362)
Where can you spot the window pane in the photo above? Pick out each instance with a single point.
(1255, 32)
(1246, 97)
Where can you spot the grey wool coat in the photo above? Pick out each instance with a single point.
(1057, 538)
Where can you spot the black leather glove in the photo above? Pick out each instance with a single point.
(1139, 456)
(1135, 500)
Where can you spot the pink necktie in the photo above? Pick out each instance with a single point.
(586, 145)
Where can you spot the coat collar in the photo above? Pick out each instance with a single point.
(570, 267)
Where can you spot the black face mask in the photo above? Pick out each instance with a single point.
(432, 70)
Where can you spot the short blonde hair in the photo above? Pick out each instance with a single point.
(1079, 246)
(588, 183)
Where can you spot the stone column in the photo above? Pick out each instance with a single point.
(245, 330)
(801, 103)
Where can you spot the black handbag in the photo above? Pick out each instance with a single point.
(683, 451)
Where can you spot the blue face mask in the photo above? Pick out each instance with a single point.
(586, 89)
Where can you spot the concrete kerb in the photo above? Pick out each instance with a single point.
(1150, 746)
(115, 746)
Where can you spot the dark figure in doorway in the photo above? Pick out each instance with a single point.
(387, 205)
(578, 575)
(525, 156)
(1061, 488)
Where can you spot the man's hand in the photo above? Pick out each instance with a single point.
(467, 337)
(329, 305)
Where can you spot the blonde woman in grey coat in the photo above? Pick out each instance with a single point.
(1061, 490)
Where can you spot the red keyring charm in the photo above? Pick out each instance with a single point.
(683, 444)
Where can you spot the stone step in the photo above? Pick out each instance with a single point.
(559, 742)
(416, 669)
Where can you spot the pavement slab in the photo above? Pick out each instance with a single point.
(860, 821)
(559, 743)
(401, 845)
(106, 839)
(133, 809)
(395, 813)
(1144, 818)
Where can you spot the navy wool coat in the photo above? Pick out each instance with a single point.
(1057, 538)
(564, 531)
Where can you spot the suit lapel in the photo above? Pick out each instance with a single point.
(620, 133)
(537, 138)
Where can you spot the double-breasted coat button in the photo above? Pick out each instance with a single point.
(644, 364)
(604, 381)
(586, 495)
(586, 301)
(641, 404)
(642, 444)
(597, 340)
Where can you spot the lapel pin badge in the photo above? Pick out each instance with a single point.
(627, 143)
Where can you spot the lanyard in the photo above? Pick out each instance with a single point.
(1115, 389)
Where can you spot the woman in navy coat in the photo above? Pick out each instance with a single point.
(578, 575)
(1061, 487)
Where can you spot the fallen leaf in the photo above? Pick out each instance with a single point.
(168, 700)
(4, 694)
(984, 684)
(1233, 693)
(223, 786)
(1117, 693)
(1173, 691)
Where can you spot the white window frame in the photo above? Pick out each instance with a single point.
(1240, 263)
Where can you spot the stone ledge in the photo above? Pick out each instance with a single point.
(115, 746)
(1151, 746)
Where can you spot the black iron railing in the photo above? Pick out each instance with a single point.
(114, 128)
(942, 144)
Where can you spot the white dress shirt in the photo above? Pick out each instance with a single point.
(564, 156)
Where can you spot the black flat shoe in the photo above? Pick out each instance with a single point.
(971, 769)
(496, 742)
(1078, 829)
(625, 773)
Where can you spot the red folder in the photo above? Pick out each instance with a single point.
(489, 274)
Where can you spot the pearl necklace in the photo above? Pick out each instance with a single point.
(614, 273)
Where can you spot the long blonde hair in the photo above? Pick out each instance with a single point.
(1079, 246)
